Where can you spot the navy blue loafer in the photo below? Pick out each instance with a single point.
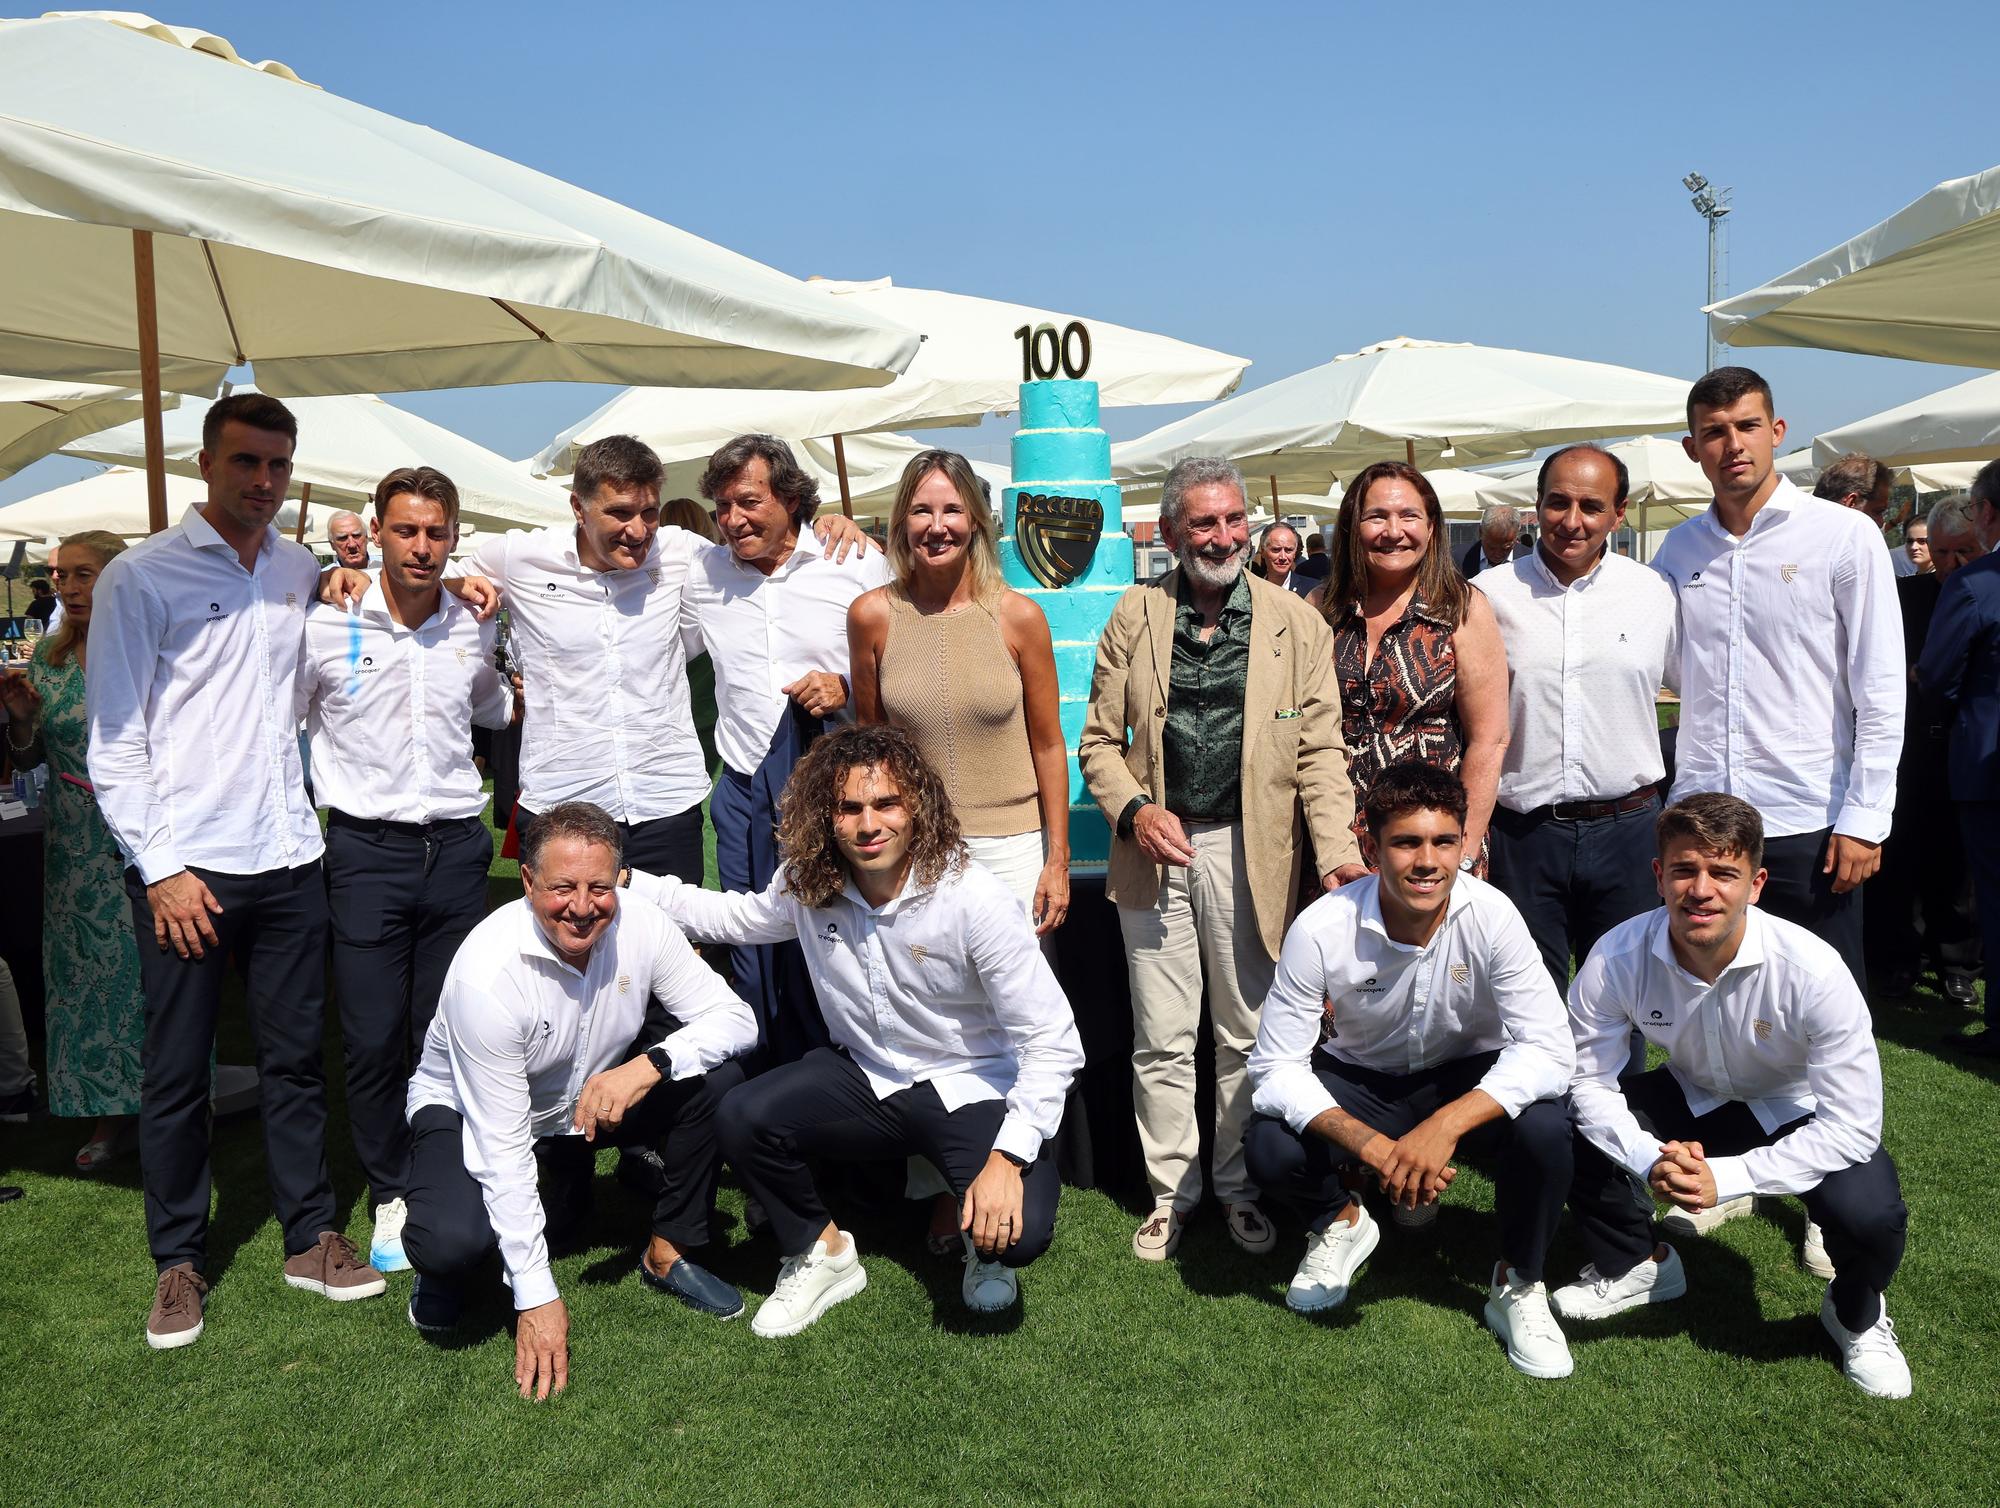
(697, 1287)
(435, 1305)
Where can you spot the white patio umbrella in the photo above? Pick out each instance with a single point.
(1666, 487)
(37, 417)
(348, 444)
(971, 365)
(1799, 466)
(1923, 285)
(1418, 400)
(166, 216)
(1961, 423)
(115, 500)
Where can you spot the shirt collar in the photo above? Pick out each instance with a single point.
(203, 535)
(375, 604)
(1541, 568)
(793, 563)
(1784, 497)
(911, 892)
(1237, 602)
(572, 556)
(1749, 954)
(534, 942)
(1370, 908)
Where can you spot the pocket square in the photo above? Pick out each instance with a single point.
(1285, 712)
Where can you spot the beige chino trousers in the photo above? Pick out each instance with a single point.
(1204, 925)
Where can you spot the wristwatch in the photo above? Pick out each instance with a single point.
(662, 1062)
(1019, 1162)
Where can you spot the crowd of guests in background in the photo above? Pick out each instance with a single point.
(1379, 811)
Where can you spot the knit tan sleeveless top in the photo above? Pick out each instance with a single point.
(949, 679)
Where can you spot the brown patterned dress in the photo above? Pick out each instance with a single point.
(1403, 704)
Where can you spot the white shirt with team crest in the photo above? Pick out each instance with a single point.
(1783, 1030)
(518, 1031)
(1345, 987)
(194, 749)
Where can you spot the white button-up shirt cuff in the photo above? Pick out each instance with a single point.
(157, 864)
(533, 1288)
(1018, 1137)
(1301, 1100)
(1732, 1178)
(1513, 1091)
(1856, 821)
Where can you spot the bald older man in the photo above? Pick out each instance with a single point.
(1499, 541)
(349, 538)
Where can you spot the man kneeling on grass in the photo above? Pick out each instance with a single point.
(1412, 1018)
(951, 1038)
(1771, 1086)
(540, 1050)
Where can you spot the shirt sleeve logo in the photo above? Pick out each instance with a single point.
(830, 932)
(1461, 974)
(919, 952)
(624, 983)
(1763, 1030)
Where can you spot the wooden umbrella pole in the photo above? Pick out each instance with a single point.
(305, 507)
(146, 309)
(1410, 451)
(840, 468)
(1274, 494)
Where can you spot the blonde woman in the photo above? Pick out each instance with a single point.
(96, 1012)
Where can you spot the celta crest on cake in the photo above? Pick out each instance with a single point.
(1063, 543)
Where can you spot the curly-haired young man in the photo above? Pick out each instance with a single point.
(951, 1037)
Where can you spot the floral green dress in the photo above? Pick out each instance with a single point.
(90, 963)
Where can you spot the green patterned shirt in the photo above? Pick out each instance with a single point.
(1203, 741)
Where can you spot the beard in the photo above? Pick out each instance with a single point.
(1218, 573)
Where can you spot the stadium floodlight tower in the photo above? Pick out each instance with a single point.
(1711, 204)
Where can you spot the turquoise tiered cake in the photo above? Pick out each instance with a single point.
(1063, 543)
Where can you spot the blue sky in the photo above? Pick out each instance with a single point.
(1285, 182)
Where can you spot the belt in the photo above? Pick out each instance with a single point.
(437, 827)
(1591, 811)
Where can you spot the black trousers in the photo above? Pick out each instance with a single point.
(1858, 1209)
(1573, 882)
(274, 924)
(823, 1105)
(401, 898)
(1528, 1157)
(660, 845)
(1920, 900)
(448, 1233)
(1799, 892)
(1980, 822)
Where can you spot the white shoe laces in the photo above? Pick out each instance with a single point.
(1879, 1338)
(793, 1274)
(1530, 1303)
(389, 1219)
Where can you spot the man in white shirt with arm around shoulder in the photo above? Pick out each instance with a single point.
(194, 755)
(1771, 1086)
(390, 692)
(1411, 1019)
(773, 618)
(950, 1036)
(539, 1050)
(1793, 679)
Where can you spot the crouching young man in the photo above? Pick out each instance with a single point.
(1412, 1019)
(1771, 1086)
(951, 1038)
(537, 1054)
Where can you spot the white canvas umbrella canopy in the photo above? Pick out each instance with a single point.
(1666, 487)
(1413, 400)
(37, 418)
(347, 445)
(1923, 285)
(340, 249)
(970, 366)
(115, 500)
(1959, 424)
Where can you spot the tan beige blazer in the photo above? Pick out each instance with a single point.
(1294, 761)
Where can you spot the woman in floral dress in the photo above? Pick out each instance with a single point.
(1417, 652)
(90, 963)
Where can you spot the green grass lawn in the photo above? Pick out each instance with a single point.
(1116, 1382)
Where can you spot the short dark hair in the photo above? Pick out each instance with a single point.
(1724, 386)
(258, 410)
(620, 461)
(1624, 485)
(791, 483)
(1718, 823)
(572, 819)
(40, 585)
(1412, 786)
(1986, 485)
(1315, 543)
(422, 481)
(1853, 475)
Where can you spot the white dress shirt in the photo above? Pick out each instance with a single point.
(764, 632)
(194, 746)
(1784, 1030)
(1792, 671)
(603, 672)
(1477, 985)
(944, 985)
(518, 1031)
(389, 710)
(1585, 664)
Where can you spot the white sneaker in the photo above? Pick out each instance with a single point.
(1871, 1358)
(1813, 1252)
(987, 1287)
(1421, 1218)
(1519, 1314)
(809, 1284)
(385, 1248)
(1594, 1296)
(1332, 1258)
(1682, 1222)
